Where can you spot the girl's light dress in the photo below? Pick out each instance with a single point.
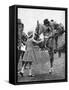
(29, 53)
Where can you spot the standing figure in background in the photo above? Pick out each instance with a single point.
(20, 32)
(22, 37)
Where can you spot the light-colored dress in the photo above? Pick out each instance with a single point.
(29, 53)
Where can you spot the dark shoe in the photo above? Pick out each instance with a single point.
(21, 74)
(55, 51)
(31, 75)
(50, 72)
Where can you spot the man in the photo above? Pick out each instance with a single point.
(49, 41)
(48, 31)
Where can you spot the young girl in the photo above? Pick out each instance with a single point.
(28, 57)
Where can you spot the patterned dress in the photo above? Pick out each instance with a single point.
(29, 53)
